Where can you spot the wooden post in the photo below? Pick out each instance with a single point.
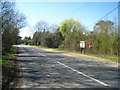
(84, 50)
(81, 50)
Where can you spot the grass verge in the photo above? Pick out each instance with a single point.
(9, 68)
(114, 59)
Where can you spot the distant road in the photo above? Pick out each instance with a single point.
(41, 68)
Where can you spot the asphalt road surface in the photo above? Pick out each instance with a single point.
(41, 68)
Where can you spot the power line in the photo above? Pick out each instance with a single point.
(79, 8)
(104, 16)
(75, 10)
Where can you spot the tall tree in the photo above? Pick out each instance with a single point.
(106, 36)
(72, 31)
(42, 26)
(12, 21)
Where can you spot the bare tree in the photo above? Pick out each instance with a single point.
(42, 26)
(12, 21)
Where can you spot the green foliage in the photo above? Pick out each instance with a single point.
(9, 67)
(67, 36)
(104, 38)
(19, 40)
(47, 39)
(49, 42)
(12, 21)
(57, 39)
(72, 31)
(27, 41)
(54, 40)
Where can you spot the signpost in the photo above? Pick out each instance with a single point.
(82, 46)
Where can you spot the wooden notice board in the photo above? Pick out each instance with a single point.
(82, 44)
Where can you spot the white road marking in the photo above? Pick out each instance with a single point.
(102, 83)
(83, 74)
(24, 54)
(42, 54)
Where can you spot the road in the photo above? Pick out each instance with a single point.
(42, 68)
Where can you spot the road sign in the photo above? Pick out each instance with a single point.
(82, 44)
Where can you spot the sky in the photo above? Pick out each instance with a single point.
(87, 13)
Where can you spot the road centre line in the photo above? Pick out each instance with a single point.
(83, 74)
(42, 54)
(98, 81)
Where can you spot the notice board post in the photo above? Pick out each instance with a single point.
(82, 46)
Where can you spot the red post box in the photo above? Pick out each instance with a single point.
(90, 45)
